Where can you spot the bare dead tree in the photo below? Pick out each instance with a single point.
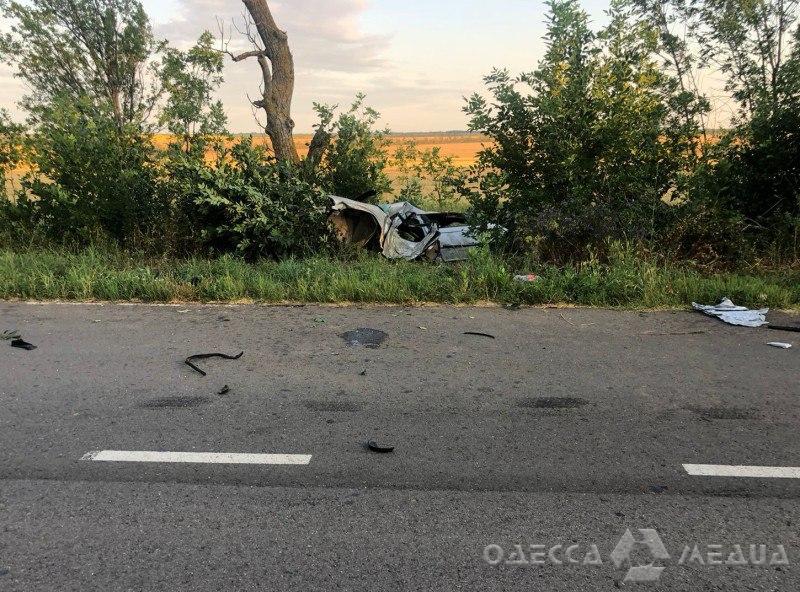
(271, 50)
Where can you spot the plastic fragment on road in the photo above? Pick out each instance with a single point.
(375, 447)
(20, 344)
(191, 359)
(10, 335)
(780, 345)
(729, 313)
(224, 390)
(526, 279)
(478, 334)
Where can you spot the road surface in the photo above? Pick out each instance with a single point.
(520, 462)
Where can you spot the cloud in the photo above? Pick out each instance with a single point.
(323, 34)
(326, 39)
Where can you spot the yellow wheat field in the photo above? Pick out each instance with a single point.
(463, 148)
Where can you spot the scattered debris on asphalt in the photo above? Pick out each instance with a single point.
(699, 332)
(401, 230)
(21, 344)
(566, 319)
(658, 488)
(780, 345)
(363, 372)
(10, 335)
(224, 390)
(512, 306)
(526, 279)
(369, 338)
(380, 449)
(196, 357)
(790, 328)
(731, 314)
(319, 321)
(478, 334)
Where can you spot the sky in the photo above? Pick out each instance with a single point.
(415, 59)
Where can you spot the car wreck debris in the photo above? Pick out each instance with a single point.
(196, 357)
(478, 334)
(790, 328)
(380, 449)
(729, 313)
(19, 343)
(781, 345)
(402, 231)
(526, 279)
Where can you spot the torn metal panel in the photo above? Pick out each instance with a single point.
(401, 230)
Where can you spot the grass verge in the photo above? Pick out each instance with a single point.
(94, 274)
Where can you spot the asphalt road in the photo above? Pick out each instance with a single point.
(565, 430)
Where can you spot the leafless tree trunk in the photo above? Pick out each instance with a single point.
(277, 72)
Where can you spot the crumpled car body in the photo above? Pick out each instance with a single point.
(402, 231)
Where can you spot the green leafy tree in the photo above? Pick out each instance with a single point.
(189, 80)
(90, 178)
(11, 143)
(579, 154)
(82, 49)
(749, 41)
(355, 160)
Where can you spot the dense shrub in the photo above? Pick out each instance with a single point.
(580, 151)
(90, 177)
(247, 203)
(355, 161)
(10, 146)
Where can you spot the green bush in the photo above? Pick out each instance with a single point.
(247, 203)
(90, 178)
(356, 158)
(580, 151)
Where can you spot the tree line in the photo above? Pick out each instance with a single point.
(606, 139)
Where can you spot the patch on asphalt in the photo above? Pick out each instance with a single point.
(175, 402)
(371, 338)
(331, 406)
(723, 412)
(552, 403)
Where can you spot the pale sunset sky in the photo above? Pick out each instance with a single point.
(415, 59)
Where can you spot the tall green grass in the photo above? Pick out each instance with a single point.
(626, 281)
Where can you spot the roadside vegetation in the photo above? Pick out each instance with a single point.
(598, 167)
(625, 279)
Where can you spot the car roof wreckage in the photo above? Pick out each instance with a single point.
(402, 230)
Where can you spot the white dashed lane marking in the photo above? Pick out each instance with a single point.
(752, 472)
(220, 458)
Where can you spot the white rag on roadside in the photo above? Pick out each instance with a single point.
(728, 312)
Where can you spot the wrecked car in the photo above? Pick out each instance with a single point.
(401, 230)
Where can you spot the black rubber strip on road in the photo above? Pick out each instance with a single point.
(19, 343)
(196, 357)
